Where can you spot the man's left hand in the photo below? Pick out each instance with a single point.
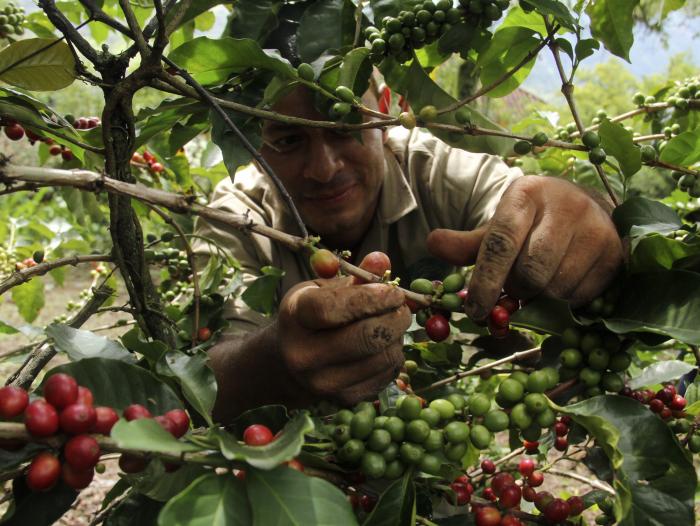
(547, 236)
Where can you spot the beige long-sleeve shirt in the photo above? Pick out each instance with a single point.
(427, 185)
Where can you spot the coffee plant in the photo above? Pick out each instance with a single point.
(480, 416)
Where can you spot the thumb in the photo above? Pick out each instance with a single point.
(456, 246)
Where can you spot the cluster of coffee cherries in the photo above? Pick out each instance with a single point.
(8, 261)
(15, 132)
(67, 408)
(11, 20)
(507, 494)
(29, 262)
(412, 433)
(678, 98)
(147, 160)
(425, 23)
(665, 402)
(596, 358)
(687, 182)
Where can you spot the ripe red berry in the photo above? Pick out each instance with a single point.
(508, 303)
(529, 494)
(666, 413)
(463, 294)
(41, 419)
(510, 520)
(136, 157)
(678, 403)
(156, 168)
(656, 405)
(556, 511)
(55, 149)
(566, 419)
(531, 446)
(131, 463)
(490, 495)
(462, 494)
(43, 472)
(510, 496)
(576, 505)
(536, 479)
(181, 420)
(85, 396)
(462, 479)
(526, 466)
(166, 424)
(32, 136)
(376, 263)
(499, 317)
(77, 418)
(93, 122)
(487, 516)
(295, 464)
(203, 334)
(561, 443)
(82, 452)
(61, 390)
(67, 155)
(257, 435)
(13, 401)
(500, 481)
(77, 478)
(437, 327)
(561, 429)
(105, 418)
(148, 157)
(136, 411)
(325, 263)
(368, 502)
(487, 466)
(14, 131)
(542, 500)
(82, 123)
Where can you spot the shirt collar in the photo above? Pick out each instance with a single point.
(397, 197)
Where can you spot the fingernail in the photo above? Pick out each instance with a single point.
(474, 310)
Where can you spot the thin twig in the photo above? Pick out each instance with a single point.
(136, 33)
(506, 458)
(23, 348)
(60, 22)
(575, 476)
(102, 515)
(669, 166)
(358, 24)
(478, 370)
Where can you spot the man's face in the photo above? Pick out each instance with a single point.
(333, 179)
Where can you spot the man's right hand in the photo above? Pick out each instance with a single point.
(342, 341)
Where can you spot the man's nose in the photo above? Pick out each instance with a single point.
(324, 160)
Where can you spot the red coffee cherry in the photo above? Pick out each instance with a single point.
(105, 418)
(542, 500)
(157, 168)
(561, 429)
(556, 511)
(500, 481)
(257, 435)
(14, 131)
(77, 419)
(131, 463)
(203, 334)
(656, 405)
(376, 263)
(82, 452)
(487, 466)
(77, 478)
(43, 472)
(510, 520)
(576, 505)
(508, 303)
(136, 411)
(536, 479)
(325, 263)
(55, 149)
(526, 467)
(462, 495)
(180, 419)
(437, 327)
(368, 502)
(295, 464)
(148, 156)
(166, 424)
(487, 516)
(499, 317)
(561, 444)
(529, 494)
(41, 419)
(490, 495)
(85, 396)
(531, 446)
(61, 390)
(67, 154)
(510, 496)
(13, 401)
(678, 403)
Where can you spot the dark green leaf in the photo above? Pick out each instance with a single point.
(594, 497)
(656, 252)
(6, 328)
(612, 23)
(555, 9)
(152, 350)
(674, 310)
(261, 294)
(118, 384)
(396, 505)
(38, 508)
(282, 449)
(145, 434)
(660, 372)
(645, 216)
(254, 18)
(596, 460)
(38, 64)
(355, 71)
(157, 484)
(585, 48)
(507, 49)
(325, 25)
(544, 314)
(212, 500)
(212, 61)
(683, 149)
(29, 298)
(285, 496)
(617, 141)
(652, 488)
(136, 510)
(692, 393)
(212, 275)
(79, 344)
(11, 459)
(195, 378)
(566, 47)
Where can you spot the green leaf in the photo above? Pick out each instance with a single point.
(507, 49)
(135, 510)
(10, 459)
(211, 500)
(612, 23)
(158, 484)
(118, 384)
(420, 90)
(660, 372)
(555, 9)
(617, 141)
(254, 18)
(78, 344)
(519, 18)
(645, 216)
(674, 310)
(261, 294)
(145, 434)
(683, 149)
(195, 378)
(49, 69)
(29, 298)
(545, 315)
(355, 71)
(285, 497)
(652, 488)
(325, 25)
(212, 275)
(38, 508)
(152, 350)
(213, 61)
(396, 505)
(656, 252)
(585, 48)
(282, 449)
(6, 328)
(273, 416)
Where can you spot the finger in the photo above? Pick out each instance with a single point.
(334, 380)
(456, 247)
(367, 389)
(356, 341)
(502, 242)
(328, 307)
(599, 276)
(544, 249)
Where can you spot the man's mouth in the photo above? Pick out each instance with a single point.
(331, 197)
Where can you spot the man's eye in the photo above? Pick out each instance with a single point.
(286, 143)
